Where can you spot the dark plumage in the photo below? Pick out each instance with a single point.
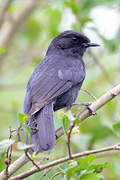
(55, 84)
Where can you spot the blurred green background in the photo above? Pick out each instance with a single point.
(27, 45)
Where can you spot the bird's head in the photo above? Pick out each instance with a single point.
(71, 43)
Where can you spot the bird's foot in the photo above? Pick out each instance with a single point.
(91, 111)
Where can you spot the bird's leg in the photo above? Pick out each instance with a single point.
(87, 105)
(91, 111)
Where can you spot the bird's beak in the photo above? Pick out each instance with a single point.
(92, 45)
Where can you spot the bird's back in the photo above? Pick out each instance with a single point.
(58, 66)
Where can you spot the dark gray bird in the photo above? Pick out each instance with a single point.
(55, 84)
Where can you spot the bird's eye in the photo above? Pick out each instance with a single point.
(75, 39)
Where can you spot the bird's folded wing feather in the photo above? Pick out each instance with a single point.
(49, 86)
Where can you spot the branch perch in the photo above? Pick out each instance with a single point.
(59, 161)
(14, 167)
(24, 159)
(95, 106)
(112, 93)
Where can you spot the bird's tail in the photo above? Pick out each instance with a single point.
(42, 129)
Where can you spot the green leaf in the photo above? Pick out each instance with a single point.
(22, 117)
(65, 120)
(99, 167)
(86, 161)
(83, 169)
(23, 146)
(5, 144)
(79, 167)
(91, 176)
(71, 171)
(2, 163)
(116, 128)
(2, 50)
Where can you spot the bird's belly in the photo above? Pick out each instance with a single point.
(67, 99)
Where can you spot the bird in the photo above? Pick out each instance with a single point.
(55, 84)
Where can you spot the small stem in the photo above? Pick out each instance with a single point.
(68, 140)
(45, 173)
(89, 93)
(109, 95)
(33, 162)
(57, 174)
(62, 160)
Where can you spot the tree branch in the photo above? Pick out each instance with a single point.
(62, 160)
(5, 5)
(14, 167)
(9, 29)
(23, 159)
(112, 93)
(29, 157)
(83, 115)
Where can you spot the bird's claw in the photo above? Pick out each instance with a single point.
(91, 111)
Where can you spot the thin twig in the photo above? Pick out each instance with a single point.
(45, 173)
(62, 160)
(109, 95)
(24, 159)
(28, 156)
(9, 153)
(57, 174)
(95, 106)
(89, 93)
(68, 139)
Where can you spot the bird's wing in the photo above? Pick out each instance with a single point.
(49, 86)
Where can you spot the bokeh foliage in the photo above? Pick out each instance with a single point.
(27, 50)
